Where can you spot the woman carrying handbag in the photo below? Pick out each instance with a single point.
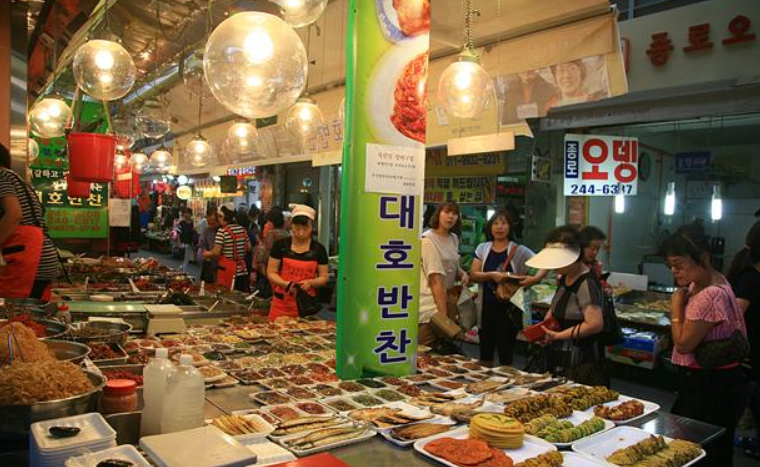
(495, 260)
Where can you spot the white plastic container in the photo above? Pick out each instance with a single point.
(183, 403)
(155, 376)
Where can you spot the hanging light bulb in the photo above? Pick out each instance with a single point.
(198, 151)
(182, 179)
(465, 87)
(33, 148)
(125, 128)
(160, 159)
(139, 162)
(241, 139)
(619, 204)
(300, 13)
(152, 119)
(120, 160)
(670, 199)
(305, 117)
(104, 70)
(716, 206)
(244, 70)
(48, 117)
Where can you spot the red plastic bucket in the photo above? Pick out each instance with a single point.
(91, 157)
(77, 189)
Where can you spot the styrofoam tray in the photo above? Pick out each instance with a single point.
(576, 419)
(94, 430)
(532, 446)
(386, 433)
(573, 459)
(255, 397)
(649, 408)
(125, 452)
(497, 379)
(437, 384)
(268, 427)
(57, 458)
(267, 452)
(408, 409)
(343, 422)
(604, 444)
(327, 400)
(392, 388)
(200, 447)
(365, 435)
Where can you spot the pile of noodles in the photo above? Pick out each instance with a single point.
(27, 383)
(24, 344)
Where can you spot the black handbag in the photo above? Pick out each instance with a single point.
(722, 352)
(307, 304)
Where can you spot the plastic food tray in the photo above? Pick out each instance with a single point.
(408, 409)
(94, 430)
(649, 408)
(365, 435)
(576, 419)
(532, 447)
(604, 444)
(386, 433)
(268, 427)
(125, 452)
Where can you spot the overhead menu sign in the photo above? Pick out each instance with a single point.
(600, 165)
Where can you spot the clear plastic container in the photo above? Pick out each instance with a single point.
(119, 396)
(155, 376)
(183, 403)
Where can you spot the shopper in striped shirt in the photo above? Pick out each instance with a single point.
(230, 247)
(29, 259)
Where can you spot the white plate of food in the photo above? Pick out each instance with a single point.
(326, 438)
(397, 70)
(409, 434)
(618, 441)
(532, 447)
(563, 432)
(390, 415)
(624, 410)
(248, 426)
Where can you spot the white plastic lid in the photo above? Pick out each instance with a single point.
(185, 359)
(162, 353)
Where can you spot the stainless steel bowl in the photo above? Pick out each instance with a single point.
(16, 419)
(107, 332)
(55, 329)
(68, 351)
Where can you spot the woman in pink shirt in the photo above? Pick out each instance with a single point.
(704, 309)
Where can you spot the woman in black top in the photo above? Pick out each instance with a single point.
(30, 260)
(296, 262)
(573, 347)
(744, 276)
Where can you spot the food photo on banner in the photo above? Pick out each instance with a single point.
(531, 93)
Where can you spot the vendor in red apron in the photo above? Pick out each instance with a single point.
(29, 261)
(230, 246)
(296, 262)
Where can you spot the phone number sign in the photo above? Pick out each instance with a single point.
(598, 165)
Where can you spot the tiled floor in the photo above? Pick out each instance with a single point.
(628, 382)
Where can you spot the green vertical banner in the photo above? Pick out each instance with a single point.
(383, 183)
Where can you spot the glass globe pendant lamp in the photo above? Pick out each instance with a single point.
(48, 117)
(139, 162)
(304, 118)
(241, 139)
(300, 13)
(198, 151)
(152, 120)
(465, 87)
(104, 69)
(120, 160)
(33, 148)
(125, 128)
(255, 65)
(160, 159)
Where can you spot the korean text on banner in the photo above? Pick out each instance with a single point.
(383, 177)
(600, 165)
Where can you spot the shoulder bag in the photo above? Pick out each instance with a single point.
(507, 288)
(722, 352)
(307, 304)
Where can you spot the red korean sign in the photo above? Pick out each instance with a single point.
(601, 165)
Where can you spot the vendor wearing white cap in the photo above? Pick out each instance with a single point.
(296, 262)
(573, 348)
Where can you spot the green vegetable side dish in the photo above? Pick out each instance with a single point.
(553, 430)
(366, 400)
(341, 405)
(371, 383)
(389, 395)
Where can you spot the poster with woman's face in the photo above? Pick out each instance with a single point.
(530, 94)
